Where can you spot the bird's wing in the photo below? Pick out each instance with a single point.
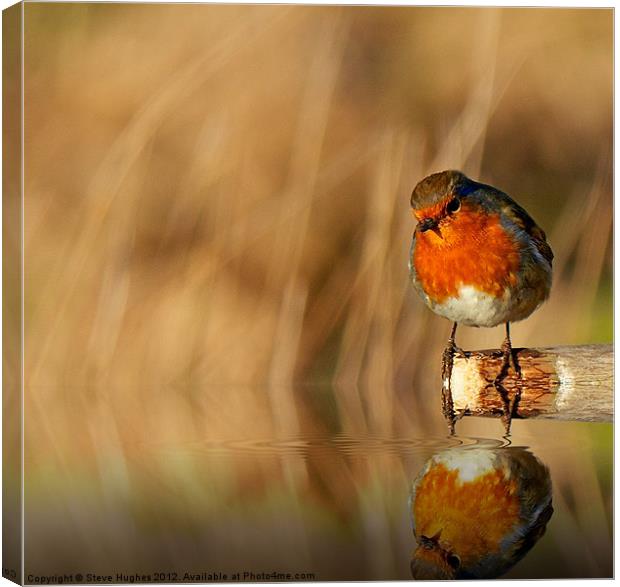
(526, 223)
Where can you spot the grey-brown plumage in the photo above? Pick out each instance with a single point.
(436, 187)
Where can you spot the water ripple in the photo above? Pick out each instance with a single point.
(343, 444)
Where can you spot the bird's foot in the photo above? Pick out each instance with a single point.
(459, 351)
(447, 362)
(447, 365)
(509, 359)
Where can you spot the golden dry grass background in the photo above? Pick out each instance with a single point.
(217, 224)
(219, 194)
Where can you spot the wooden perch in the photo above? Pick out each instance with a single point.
(561, 383)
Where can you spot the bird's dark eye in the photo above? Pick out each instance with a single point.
(454, 561)
(454, 205)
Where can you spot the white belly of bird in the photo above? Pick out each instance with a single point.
(473, 307)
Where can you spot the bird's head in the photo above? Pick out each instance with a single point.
(439, 200)
(434, 560)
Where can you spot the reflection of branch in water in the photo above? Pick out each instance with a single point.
(477, 511)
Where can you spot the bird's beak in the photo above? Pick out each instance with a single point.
(427, 224)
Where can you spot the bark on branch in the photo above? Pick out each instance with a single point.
(561, 383)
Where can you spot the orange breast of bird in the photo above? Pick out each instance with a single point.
(470, 248)
(472, 516)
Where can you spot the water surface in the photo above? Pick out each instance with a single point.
(163, 488)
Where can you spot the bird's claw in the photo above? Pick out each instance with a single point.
(447, 365)
(509, 404)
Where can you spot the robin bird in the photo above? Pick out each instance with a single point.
(478, 259)
(477, 511)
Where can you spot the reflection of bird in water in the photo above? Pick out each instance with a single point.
(477, 512)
